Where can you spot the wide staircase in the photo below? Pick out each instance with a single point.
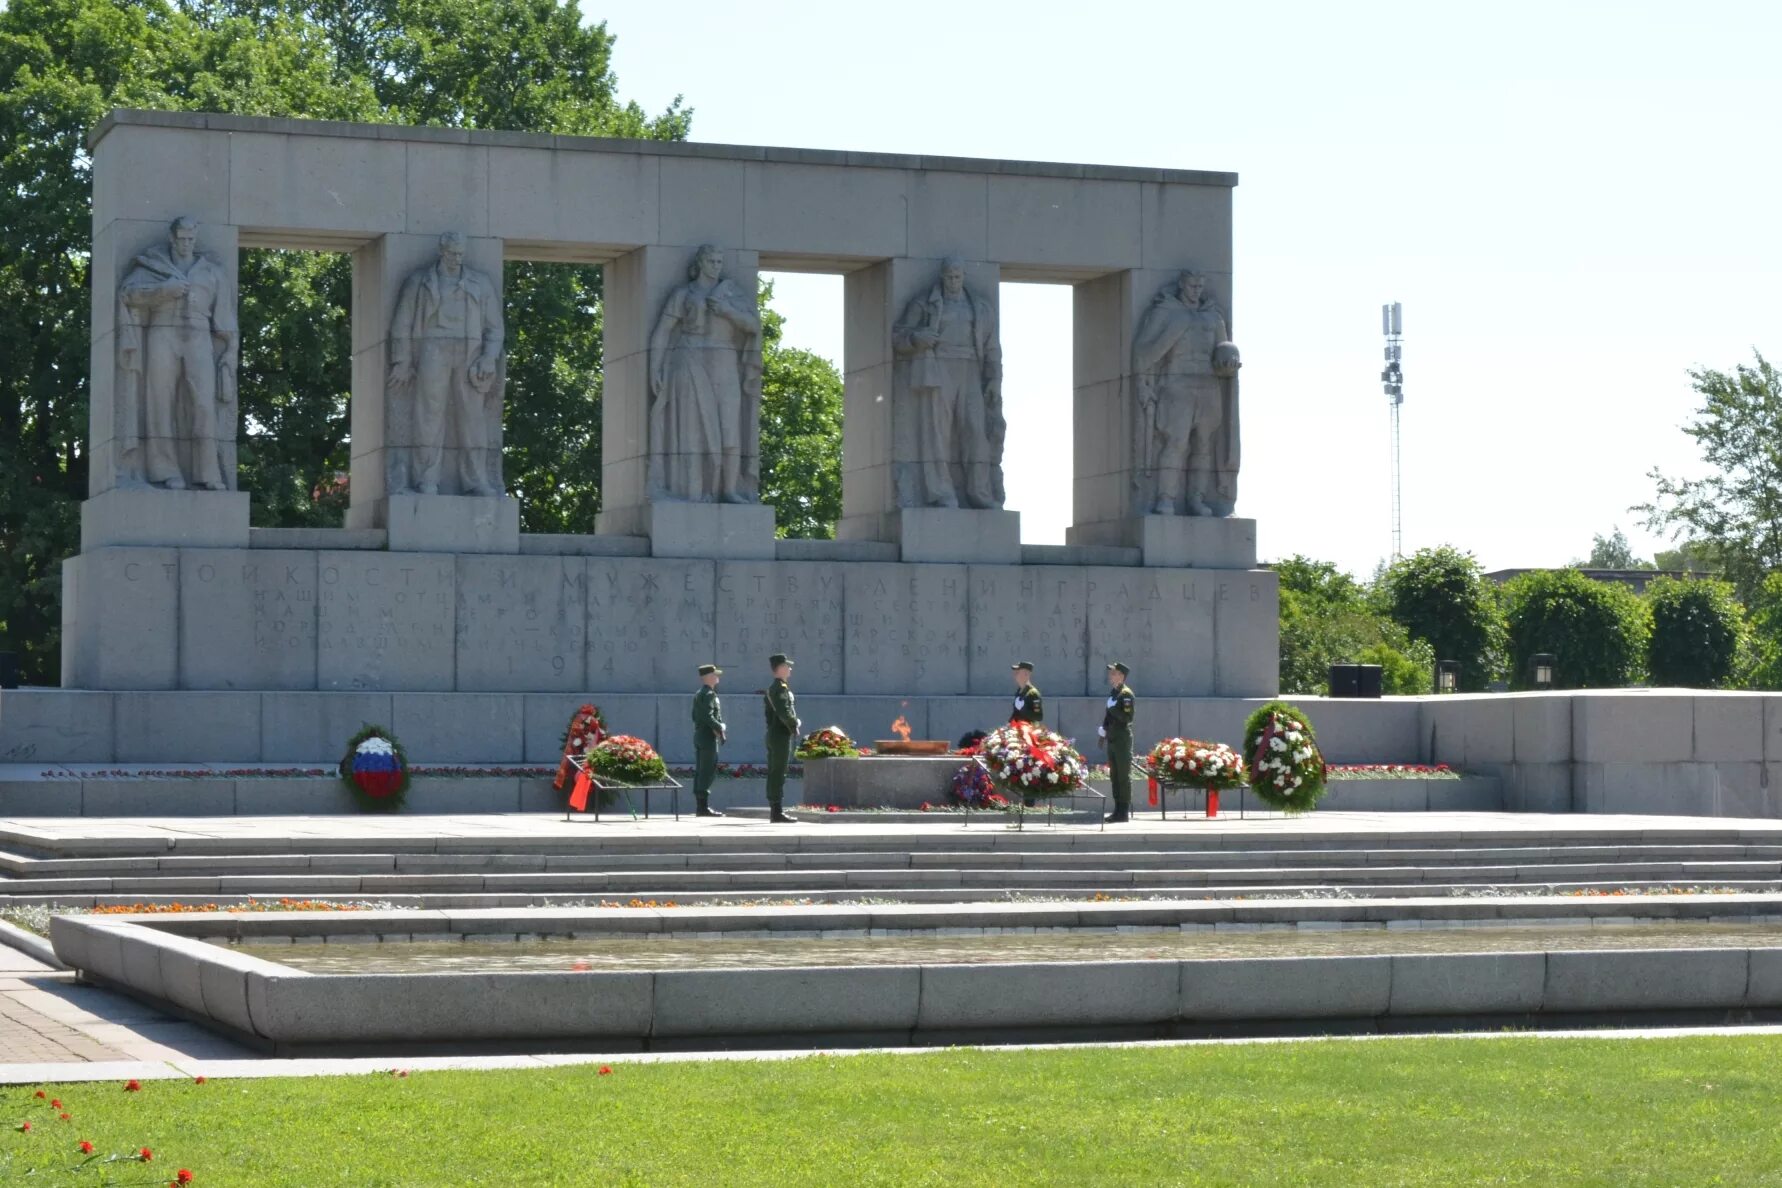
(508, 861)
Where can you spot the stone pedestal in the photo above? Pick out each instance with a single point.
(944, 534)
(880, 781)
(1178, 542)
(454, 524)
(720, 531)
(125, 516)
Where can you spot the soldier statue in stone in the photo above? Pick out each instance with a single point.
(705, 389)
(951, 380)
(446, 374)
(177, 341)
(1185, 368)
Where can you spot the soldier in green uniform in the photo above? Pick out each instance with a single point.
(1028, 706)
(708, 736)
(782, 734)
(1116, 733)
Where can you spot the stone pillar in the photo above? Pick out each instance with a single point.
(1105, 506)
(382, 432)
(637, 285)
(880, 455)
(122, 509)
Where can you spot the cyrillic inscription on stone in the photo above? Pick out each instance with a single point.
(1032, 613)
(385, 621)
(780, 606)
(522, 623)
(247, 619)
(649, 623)
(1160, 622)
(905, 628)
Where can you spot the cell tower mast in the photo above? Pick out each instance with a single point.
(1392, 325)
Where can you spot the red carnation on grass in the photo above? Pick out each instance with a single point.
(184, 1177)
(55, 1103)
(24, 1127)
(606, 1070)
(40, 1093)
(133, 1086)
(145, 1154)
(86, 1148)
(65, 1117)
(198, 1080)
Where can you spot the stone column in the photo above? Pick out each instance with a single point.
(1106, 508)
(382, 430)
(881, 459)
(637, 285)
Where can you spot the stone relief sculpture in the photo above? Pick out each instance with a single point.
(447, 375)
(1185, 367)
(950, 387)
(177, 342)
(705, 389)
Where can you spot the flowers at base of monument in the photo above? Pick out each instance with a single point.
(586, 727)
(972, 785)
(1190, 763)
(626, 759)
(375, 770)
(831, 742)
(1389, 771)
(1028, 760)
(1282, 758)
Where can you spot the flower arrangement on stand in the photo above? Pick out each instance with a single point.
(375, 770)
(1028, 760)
(1281, 756)
(831, 742)
(626, 759)
(585, 729)
(973, 786)
(1190, 763)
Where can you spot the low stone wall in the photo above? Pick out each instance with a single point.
(286, 1009)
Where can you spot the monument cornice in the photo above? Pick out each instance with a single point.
(217, 122)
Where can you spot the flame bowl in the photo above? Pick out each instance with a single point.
(914, 746)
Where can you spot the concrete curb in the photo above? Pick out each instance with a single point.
(30, 944)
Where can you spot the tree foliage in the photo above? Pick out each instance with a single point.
(1441, 596)
(801, 429)
(1612, 552)
(1697, 633)
(1595, 631)
(1766, 634)
(1327, 618)
(1737, 508)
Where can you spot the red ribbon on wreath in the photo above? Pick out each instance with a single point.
(586, 728)
(1151, 791)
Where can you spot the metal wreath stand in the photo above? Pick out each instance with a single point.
(1187, 790)
(603, 784)
(1020, 809)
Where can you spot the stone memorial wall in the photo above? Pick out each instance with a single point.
(431, 586)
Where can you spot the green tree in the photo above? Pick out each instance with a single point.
(1737, 507)
(1595, 631)
(801, 428)
(1697, 633)
(1443, 597)
(528, 65)
(1326, 619)
(1766, 634)
(1692, 556)
(1612, 552)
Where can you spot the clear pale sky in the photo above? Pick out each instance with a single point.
(1575, 202)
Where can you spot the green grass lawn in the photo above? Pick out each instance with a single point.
(1428, 1111)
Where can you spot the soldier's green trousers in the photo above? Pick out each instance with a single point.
(1120, 769)
(705, 770)
(779, 757)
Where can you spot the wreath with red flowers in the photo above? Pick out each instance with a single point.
(585, 729)
(375, 770)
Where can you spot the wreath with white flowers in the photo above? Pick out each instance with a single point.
(375, 770)
(1029, 760)
(1190, 763)
(1282, 759)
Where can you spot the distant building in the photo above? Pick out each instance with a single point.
(1634, 579)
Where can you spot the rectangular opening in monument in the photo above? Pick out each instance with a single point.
(555, 333)
(801, 402)
(1037, 451)
(283, 422)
